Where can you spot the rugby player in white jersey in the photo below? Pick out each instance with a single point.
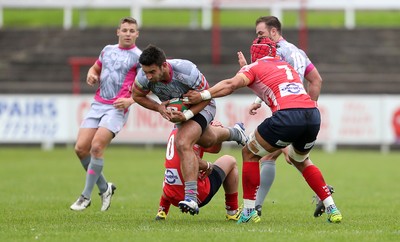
(114, 73)
(169, 79)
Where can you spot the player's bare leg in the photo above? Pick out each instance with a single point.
(228, 164)
(101, 138)
(188, 134)
(215, 135)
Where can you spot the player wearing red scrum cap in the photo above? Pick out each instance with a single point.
(271, 27)
(293, 127)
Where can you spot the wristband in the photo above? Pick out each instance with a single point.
(205, 95)
(208, 165)
(258, 100)
(188, 114)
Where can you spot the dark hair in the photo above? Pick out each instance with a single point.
(127, 20)
(152, 55)
(270, 22)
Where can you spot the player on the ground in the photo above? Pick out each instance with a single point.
(270, 27)
(114, 72)
(211, 176)
(168, 79)
(294, 125)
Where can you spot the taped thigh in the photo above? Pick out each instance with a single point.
(255, 147)
(297, 157)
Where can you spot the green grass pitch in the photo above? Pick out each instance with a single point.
(28, 18)
(37, 188)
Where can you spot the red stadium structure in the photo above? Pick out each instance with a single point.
(303, 33)
(76, 63)
(216, 33)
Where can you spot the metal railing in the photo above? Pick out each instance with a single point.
(136, 7)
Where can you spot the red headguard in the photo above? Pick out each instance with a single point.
(262, 46)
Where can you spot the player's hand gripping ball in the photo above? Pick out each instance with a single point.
(177, 104)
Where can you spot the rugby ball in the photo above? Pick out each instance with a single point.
(177, 104)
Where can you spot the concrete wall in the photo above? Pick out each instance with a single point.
(360, 61)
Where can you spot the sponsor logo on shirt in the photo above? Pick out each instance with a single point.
(171, 177)
(291, 88)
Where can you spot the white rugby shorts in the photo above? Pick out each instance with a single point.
(105, 115)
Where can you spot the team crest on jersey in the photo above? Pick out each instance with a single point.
(171, 177)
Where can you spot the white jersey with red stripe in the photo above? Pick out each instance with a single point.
(296, 57)
(119, 67)
(277, 84)
(184, 75)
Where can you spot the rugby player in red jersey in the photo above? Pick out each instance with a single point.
(293, 127)
(211, 176)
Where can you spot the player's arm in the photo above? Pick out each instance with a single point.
(178, 116)
(198, 107)
(257, 103)
(204, 165)
(123, 103)
(314, 81)
(93, 74)
(241, 59)
(141, 98)
(221, 89)
(205, 168)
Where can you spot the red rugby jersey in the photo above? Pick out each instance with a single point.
(277, 84)
(174, 185)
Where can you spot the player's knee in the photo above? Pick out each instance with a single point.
(230, 160)
(81, 151)
(182, 145)
(227, 163)
(97, 149)
(296, 156)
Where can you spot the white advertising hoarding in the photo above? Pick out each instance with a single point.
(34, 118)
(350, 119)
(346, 119)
